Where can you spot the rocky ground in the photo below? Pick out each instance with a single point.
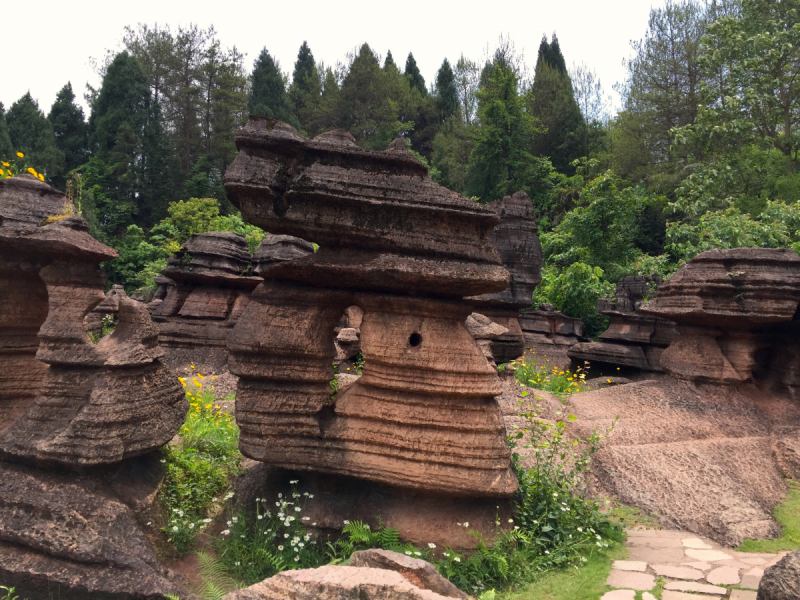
(691, 567)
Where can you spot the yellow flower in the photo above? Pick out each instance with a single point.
(1, 171)
(208, 406)
(192, 366)
(200, 376)
(5, 164)
(230, 426)
(608, 380)
(186, 429)
(20, 154)
(213, 378)
(41, 177)
(32, 171)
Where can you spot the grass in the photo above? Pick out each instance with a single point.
(629, 517)
(585, 583)
(529, 372)
(787, 513)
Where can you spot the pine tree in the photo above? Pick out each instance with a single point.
(447, 102)
(501, 162)
(6, 148)
(71, 132)
(306, 87)
(415, 79)
(268, 95)
(32, 134)
(552, 102)
(388, 62)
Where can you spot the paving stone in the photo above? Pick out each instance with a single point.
(707, 555)
(739, 595)
(657, 555)
(693, 586)
(736, 564)
(757, 571)
(753, 561)
(630, 580)
(619, 595)
(656, 542)
(673, 595)
(648, 596)
(695, 543)
(659, 533)
(703, 566)
(724, 576)
(630, 565)
(677, 572)
(750, 582)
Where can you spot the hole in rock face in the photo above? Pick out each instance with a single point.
(415, 340)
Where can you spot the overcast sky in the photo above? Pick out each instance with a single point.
(51, 42)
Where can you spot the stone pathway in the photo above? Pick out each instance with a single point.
(692, 568)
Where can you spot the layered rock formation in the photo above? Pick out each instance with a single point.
(707, 448)
(206, 287)
(521, 252)
(549, 334)
(633, 339)
(69, 405)
(385, 230)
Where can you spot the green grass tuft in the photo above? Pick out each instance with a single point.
(787, 514)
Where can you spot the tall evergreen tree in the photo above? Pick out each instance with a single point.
(6, 148)
(306, 86)
(415, 79)
(388, 62)
(268, 95)
(447, 102)
(553, 103)
(501, 161)
(71, 131)
(32, 134)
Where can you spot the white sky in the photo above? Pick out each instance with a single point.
(50, 42)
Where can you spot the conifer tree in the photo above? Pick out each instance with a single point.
(71, 131)
(552, 102)
(388, 62)
(6, 149)
(306, 86)
(447, 102)
(32, 134)
(268, 95)
(415, 79)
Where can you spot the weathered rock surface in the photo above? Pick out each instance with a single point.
(107, 308)
(781, 581)
(406, 252)
(519, 247)
(69, 405)
(422, 573)
(671, 451)
(280, 248)
(206, 287)
(73, 538)
(633, 339)
(550, 334)
(334, 582)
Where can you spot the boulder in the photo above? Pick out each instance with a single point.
(334, 582)
(406, 252)
(782, 580)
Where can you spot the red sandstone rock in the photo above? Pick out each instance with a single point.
(549, 334)
(386, 231)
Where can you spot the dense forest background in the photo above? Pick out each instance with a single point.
(702, 154)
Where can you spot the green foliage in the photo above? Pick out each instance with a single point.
(71, 132)
(787, 513)
(6, 147)
(198, 469)
(216, 581)
(9, 593)
(414, 77)
(359, 536)
(529, 372)
(32, 134)
(575, 291)
(268, 95)
(446, 93)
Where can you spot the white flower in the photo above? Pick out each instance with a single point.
(306, 518)
(163, 461)
(555, 495)
(301, 544)
(280, 548)
(206, 520)
(280, 495)
(260, 517)
(583, 559)
(311, 495)
(286, 535)
(235, 519)
(225, 532)
(214, 499)
(305, 493)
(241, 536)
(511, 520)
(408, 552)
(598, 544)
(314, 524)
(306, 537)
(277, 504)
(297, 509)
(598, 537)
(296, 558)
(293, 481)
(418, 553)
(580, 529)
(191, 525)
(175, 528)
(547, 551)
(431, 545)
(229, 523)
(258, 499)
(346, 522)
(457, 559)
(237, 563)
(466, 523)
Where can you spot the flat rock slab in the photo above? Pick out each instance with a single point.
(693, 586)
(702, 566)
(741, 595)
(677, 572)
(707, 555)
(656, 542)
(630, 565)
(648, 596)
(724, 576)
(656, 555)
(619, 595)
(753, 561)
(630, 580)
(751, 582)
(672, 595)
(696, 543)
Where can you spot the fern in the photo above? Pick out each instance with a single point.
(216, 581)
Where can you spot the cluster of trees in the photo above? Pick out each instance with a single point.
(703, 152)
